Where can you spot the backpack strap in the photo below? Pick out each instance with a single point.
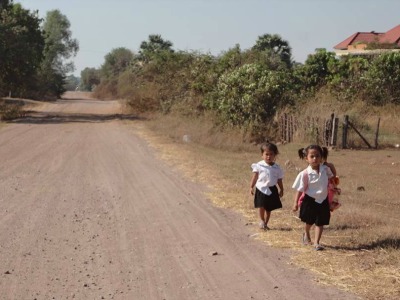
(305, 179)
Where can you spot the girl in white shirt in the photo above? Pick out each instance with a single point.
(315, 206)
(266, 175)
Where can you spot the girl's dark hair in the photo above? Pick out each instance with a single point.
(269, 146)
(304, 151)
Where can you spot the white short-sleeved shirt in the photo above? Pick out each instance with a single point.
(317, 184)
(268, 175)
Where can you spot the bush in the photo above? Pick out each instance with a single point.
(249, 96)
(382, 80)
(10, 112)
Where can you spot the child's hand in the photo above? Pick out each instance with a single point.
(295, 207)
(252, 191)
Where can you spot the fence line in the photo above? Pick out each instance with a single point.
(321, 131)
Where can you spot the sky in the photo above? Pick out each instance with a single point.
(215, 26)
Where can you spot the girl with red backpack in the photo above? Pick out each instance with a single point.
(313, 182)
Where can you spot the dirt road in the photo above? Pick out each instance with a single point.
(89, 211)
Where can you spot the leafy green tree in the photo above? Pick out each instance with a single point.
(59, 48)
(116, 62)
(382, 80)
(90, 77)
(21, 46)
(230, 59)
(204, 74)
(275, 44)
(346, 78)
(317, 70)
(154, 45)
(249, 96)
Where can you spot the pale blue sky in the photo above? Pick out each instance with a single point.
(215, 25)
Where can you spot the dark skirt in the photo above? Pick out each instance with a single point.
(269, 202)
(312, 212)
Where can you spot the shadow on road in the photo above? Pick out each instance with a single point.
(57, 118)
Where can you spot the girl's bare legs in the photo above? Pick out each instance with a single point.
(268, 215)
(262, 214)
(307, 230)
(318, 234)
(262, 217)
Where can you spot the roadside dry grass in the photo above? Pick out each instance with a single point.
(363, 240)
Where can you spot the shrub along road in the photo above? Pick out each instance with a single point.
(89, 211)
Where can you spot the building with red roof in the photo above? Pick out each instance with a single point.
(377, 42)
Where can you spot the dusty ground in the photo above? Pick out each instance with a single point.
(89, 211)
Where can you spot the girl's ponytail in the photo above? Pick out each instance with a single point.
(324, 153)
(302, 153)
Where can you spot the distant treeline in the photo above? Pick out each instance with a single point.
(243, 88)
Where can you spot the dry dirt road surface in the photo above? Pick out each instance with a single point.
(89, 211)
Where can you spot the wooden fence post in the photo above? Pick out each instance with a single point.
(377, 133)
(284, 127)
(345, 129)
(287, 133)
(327, 126)
(335, 125)
(331, 128)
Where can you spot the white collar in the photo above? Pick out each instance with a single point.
(264, 164)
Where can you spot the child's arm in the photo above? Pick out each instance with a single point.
(296, 200)
(253, 182)
(280, 184)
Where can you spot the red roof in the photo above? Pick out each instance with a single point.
(391, 36)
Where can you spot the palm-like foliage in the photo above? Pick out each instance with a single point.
(275, 44)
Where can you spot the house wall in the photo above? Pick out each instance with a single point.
(357, 47)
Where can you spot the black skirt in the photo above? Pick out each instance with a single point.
(269, 202)
(312, 212)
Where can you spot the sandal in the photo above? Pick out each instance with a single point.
(318, 247)
(305, 240)
(262, 225)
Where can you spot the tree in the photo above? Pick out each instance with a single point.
(275, 44)
(90, 77)
(5, 4)
(382, 79)
(154, 45)
(249, 96)
(230, 59)
(59, 47)
(21, 46)
(317, 70)
(346, 79)
(71, 83)
(116, 62)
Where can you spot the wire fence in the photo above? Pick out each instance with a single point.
(335, 131)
